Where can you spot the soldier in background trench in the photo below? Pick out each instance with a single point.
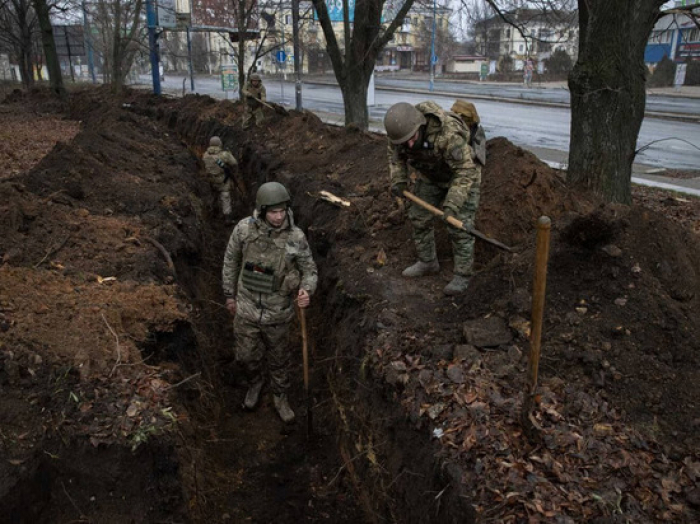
(436, 144)
(255, 94)
(221, 167)
(268, 267)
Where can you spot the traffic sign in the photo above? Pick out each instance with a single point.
(281, 56)
(435, 59)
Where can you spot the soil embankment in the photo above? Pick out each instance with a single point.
(120, 400)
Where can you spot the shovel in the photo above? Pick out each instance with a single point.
(276, 108)
(305, 355)
(456, 223)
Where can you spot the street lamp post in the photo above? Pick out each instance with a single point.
(432, 50)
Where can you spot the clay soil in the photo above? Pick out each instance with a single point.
(120, 398)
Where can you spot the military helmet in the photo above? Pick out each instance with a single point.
(255, 77)
(401, 122)
(215, 141)
(271, 194)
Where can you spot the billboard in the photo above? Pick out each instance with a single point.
(165, 12)
(216, 14)
(69, 40)
(335, 10)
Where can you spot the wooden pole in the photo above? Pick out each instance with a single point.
(305, 356)
(539, 285)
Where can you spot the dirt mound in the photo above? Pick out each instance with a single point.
(110, 279)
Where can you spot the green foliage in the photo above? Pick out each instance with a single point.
(663, 74)
(559, 63)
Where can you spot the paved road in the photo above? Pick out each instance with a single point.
(543, 129)
(656, 103)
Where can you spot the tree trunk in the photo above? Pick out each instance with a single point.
(52, 63)
(608, 94)
(354, 90)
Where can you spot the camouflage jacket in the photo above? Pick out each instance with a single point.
(256, 248)
(214, 159)
(443, 157)
(251, 93)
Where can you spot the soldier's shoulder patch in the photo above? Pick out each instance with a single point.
(457, 153)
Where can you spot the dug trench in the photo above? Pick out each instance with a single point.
(121, 399)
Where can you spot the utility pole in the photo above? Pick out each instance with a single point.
(189, 56)
(432, 49)
(297, 68)
(153, 45)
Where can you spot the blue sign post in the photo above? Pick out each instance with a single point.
(281, 56)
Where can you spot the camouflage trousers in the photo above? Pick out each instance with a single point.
(249, 113)
(258, 346)
(424, 234)
(223, 191)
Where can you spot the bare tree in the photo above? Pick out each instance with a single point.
(18, 32)
(607, 86)
(43, 9)
(354, 58)
(247, 16)
(120, 24)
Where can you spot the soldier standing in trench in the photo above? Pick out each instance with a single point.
(221, 167)
(255, 94)
(268, 267)
(436, 144)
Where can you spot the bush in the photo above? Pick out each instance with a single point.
(663, 74)
(692, 74)
(559, 63)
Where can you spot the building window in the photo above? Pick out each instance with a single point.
(520, 48)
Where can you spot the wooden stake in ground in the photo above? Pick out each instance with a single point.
(539, 285)
(305, 355)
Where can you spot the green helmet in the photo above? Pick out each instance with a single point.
(215, 141)
(271, 194)
(254, 77)
(401, 122)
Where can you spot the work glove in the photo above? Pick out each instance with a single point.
(398, 188)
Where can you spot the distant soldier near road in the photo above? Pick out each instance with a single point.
(436, 144)
(268, 267)
(255, 93)
(221, 167)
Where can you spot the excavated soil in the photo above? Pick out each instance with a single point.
(120, 399)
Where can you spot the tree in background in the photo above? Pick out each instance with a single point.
(43, 10)
(120, 24)
(663, 74)
(247, 13)
(607, 86)
(354, 58)
(559, 63)
(18, 32)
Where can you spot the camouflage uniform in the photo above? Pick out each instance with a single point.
(447, 176)
(264, 267)
(253, 108)
(216, 160)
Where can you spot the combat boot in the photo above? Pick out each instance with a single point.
(252, 397)
(283, 410)
(421, 268)
(457, 285)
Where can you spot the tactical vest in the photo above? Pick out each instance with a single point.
(263, 262)
(424, 158)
